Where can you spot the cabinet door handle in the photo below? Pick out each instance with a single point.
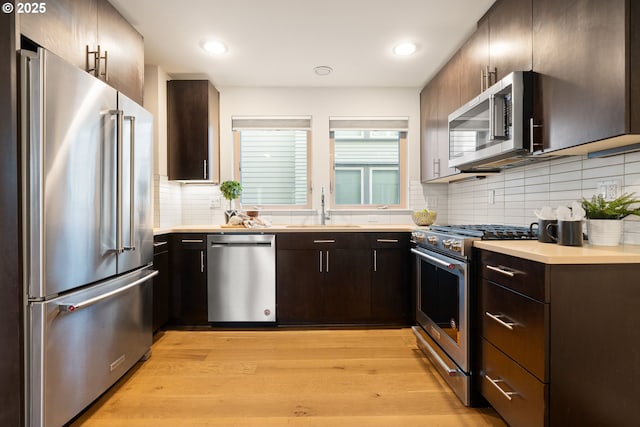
(501, 270)
(375, 260)
(204, 171)
(320, 268)
(201, 261)
(327, 261)
(495, 383)
(157, 244)
(532, 146)
(498, 318)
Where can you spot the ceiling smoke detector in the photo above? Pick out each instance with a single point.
(323, 70)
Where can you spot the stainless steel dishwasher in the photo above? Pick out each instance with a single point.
(241, 277)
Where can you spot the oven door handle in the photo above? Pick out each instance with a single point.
(438, 261)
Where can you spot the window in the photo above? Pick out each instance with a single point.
(368, 163)
(272, 161)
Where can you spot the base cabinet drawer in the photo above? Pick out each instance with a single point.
(516, 394)
(516, 325)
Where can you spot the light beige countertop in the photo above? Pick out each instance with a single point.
(551, 253)
(355, 228)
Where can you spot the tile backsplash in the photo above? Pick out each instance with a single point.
(510, 197)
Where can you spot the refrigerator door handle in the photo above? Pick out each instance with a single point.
(119, 123)
(72, 308)
(132, 186)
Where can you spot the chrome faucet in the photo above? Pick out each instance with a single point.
(323, 215)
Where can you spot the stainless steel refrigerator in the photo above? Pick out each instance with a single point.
(88, 238)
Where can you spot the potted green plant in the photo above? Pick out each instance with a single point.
(604, 217)
(230, 190)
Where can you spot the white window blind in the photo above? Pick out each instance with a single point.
(272, 161)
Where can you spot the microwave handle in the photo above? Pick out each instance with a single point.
(492, 118)
(496, 119)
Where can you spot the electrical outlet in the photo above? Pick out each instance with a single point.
(492, 197)
(609, 189)
(215, 203)
(612, 190)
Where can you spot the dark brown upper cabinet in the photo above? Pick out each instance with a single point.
(500, 45)
(66, 28)
(192, 130)
(125, 52)
(474, 60)
(439, 98)
(510, 37)
(72, 29)
(587, 56)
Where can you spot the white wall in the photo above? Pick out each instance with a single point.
(167, 196)
(200, 203)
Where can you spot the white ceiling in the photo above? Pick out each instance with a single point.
(279, 42)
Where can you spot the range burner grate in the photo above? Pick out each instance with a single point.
(489, 231)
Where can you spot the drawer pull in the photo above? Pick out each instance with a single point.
(157, 244)
(497, 318)
(387, 240)
(494, 383)
(324, 241)
(192, 241)
(501, 270)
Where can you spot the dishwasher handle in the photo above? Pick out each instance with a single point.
(241, 240)
(239, 244)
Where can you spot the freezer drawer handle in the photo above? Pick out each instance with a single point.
(71, 308)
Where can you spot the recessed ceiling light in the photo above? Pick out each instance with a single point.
(214, 47)
(404, 49)
(323, 70)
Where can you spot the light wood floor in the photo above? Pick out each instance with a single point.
(316, 378)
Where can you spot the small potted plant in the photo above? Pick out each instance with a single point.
(230, 190)
(604, 217)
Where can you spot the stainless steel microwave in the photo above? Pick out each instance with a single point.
(493, 130)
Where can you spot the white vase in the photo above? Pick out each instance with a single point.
(605, 232)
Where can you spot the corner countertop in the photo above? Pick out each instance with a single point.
(551, 253)
(399, 228)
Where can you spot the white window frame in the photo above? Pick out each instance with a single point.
(398, 124)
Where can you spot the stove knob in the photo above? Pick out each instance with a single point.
(417, 237)
(433, 240)
(456, 245)
(447, 243)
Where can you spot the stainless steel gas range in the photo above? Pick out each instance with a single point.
(445, 295)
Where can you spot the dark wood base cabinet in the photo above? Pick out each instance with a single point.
(559, 343)
(162, 282)
(342, 278)
(189, 279)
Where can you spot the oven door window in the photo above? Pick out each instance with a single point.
(440, 298)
